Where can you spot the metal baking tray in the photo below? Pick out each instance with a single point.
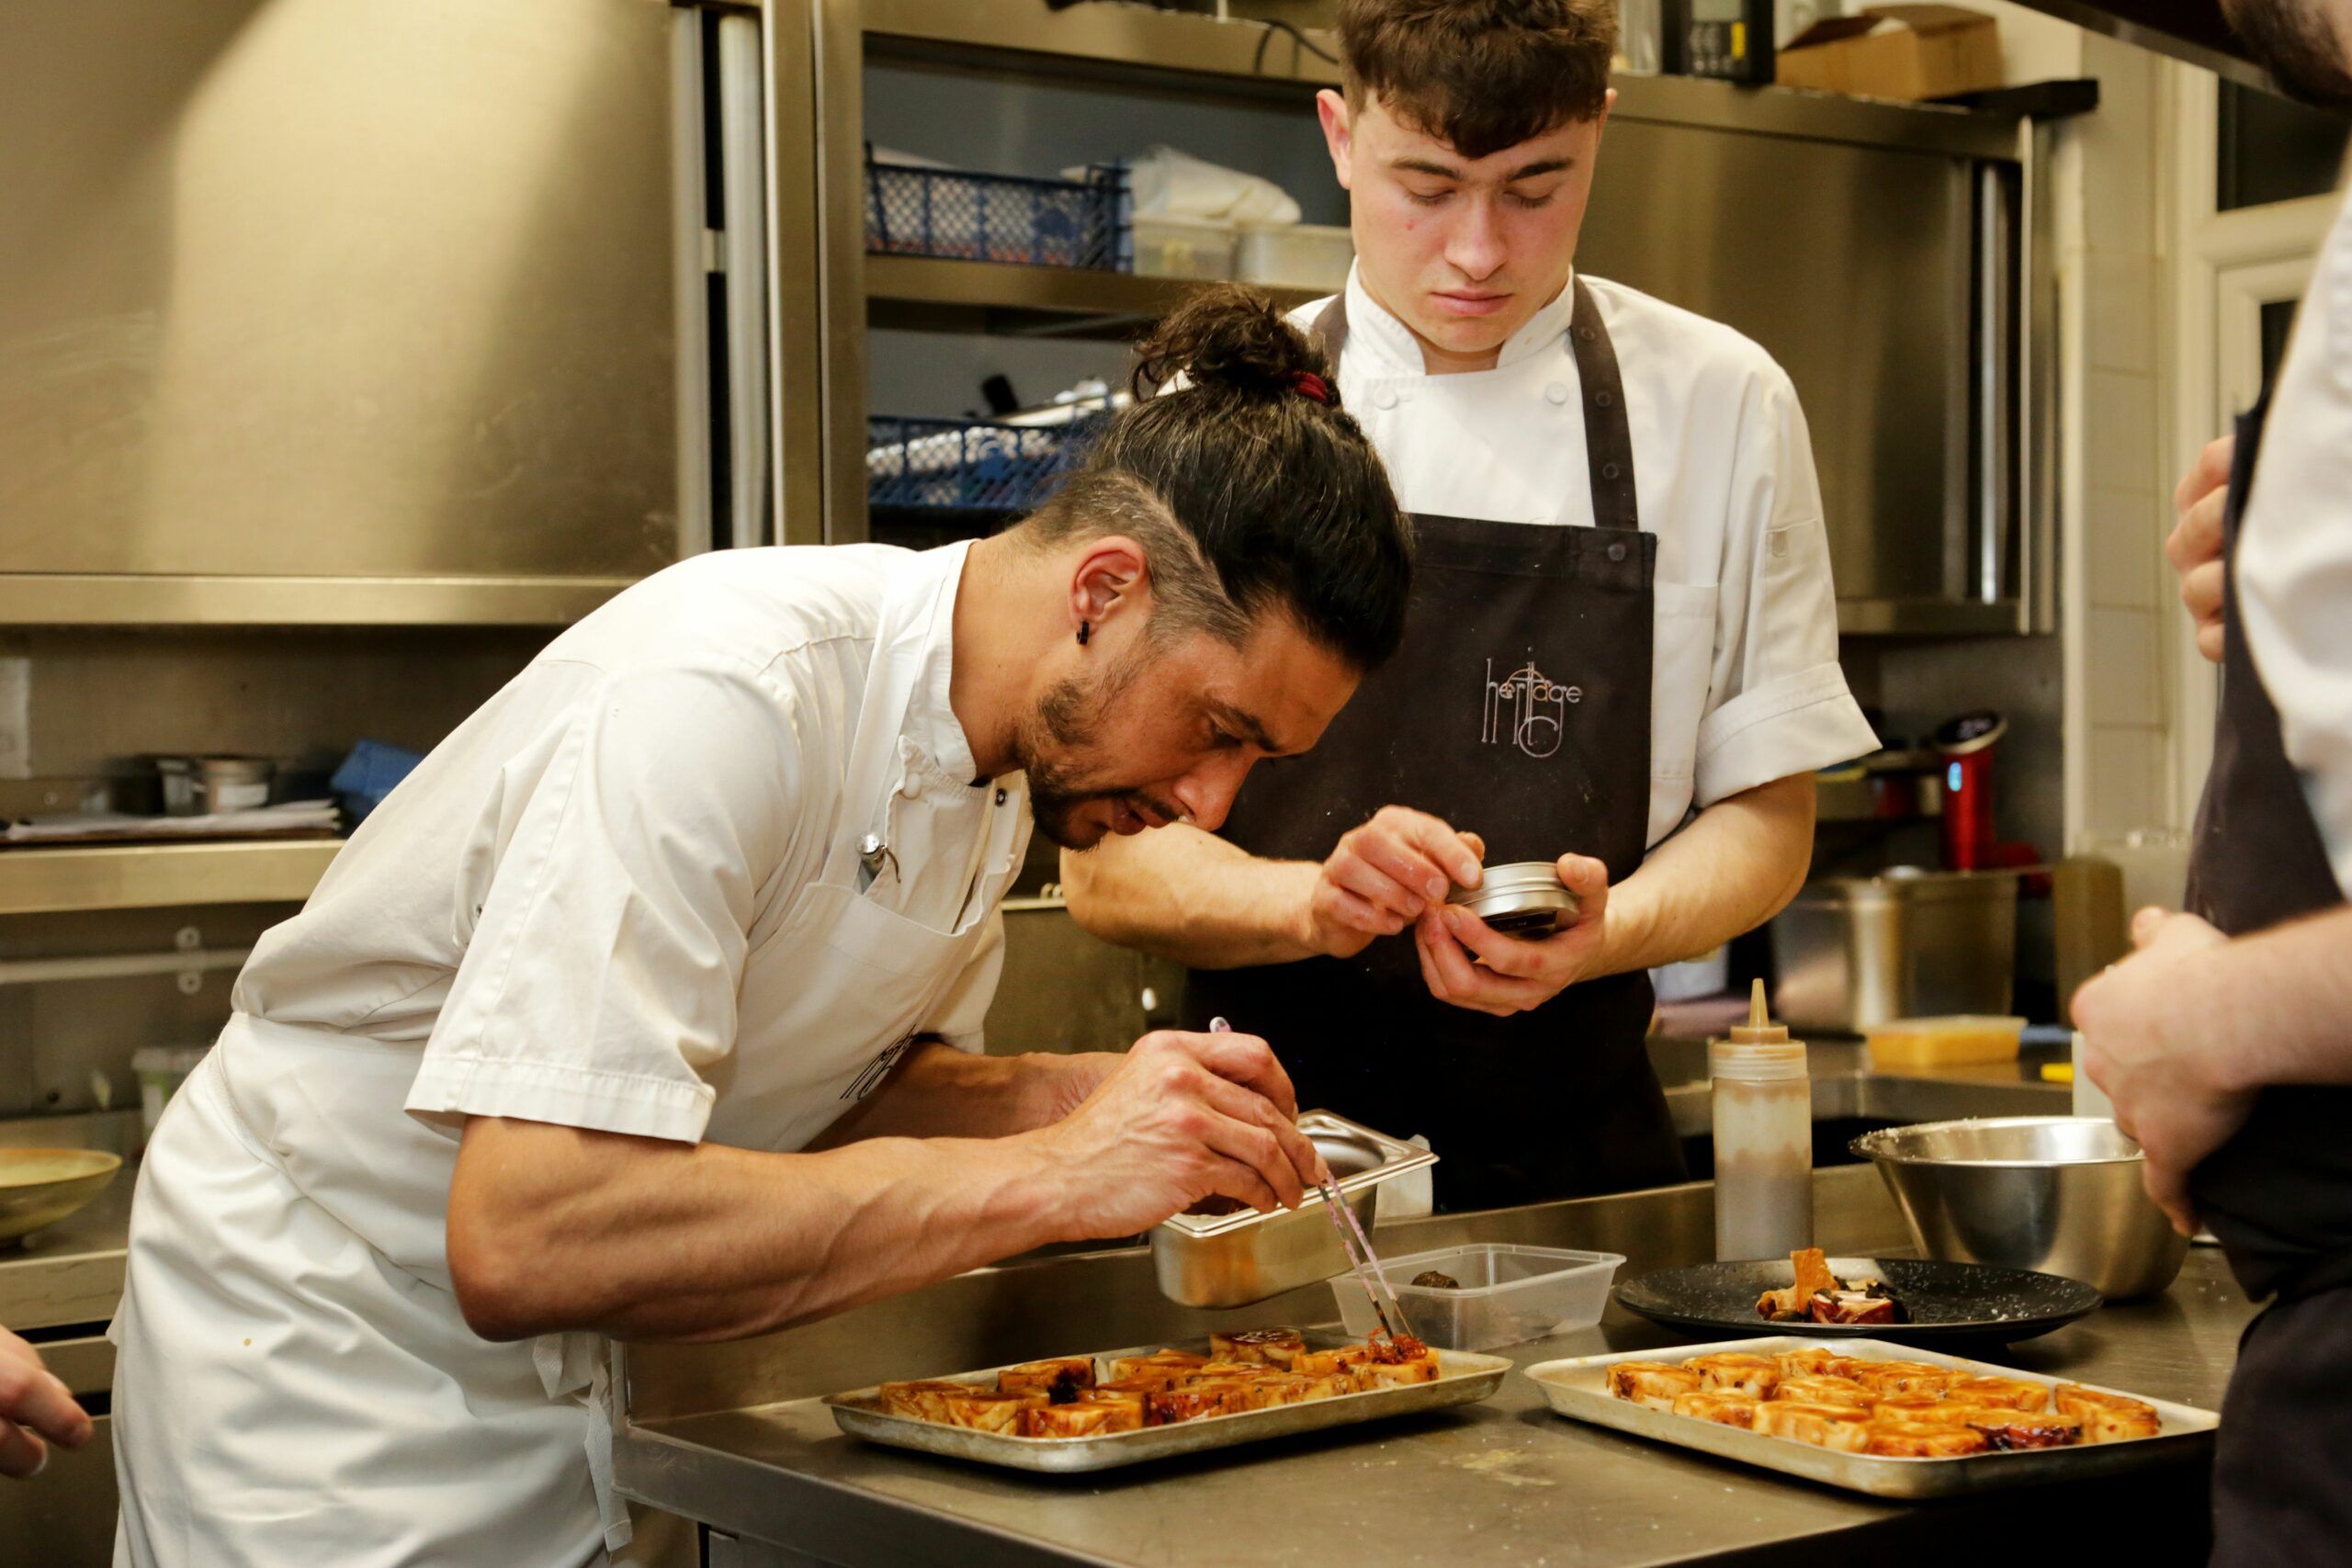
(1232, 1260)
(1577, 1389)
(1463, 1378)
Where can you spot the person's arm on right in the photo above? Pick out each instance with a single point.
(1183, 893)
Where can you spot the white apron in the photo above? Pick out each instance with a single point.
(295, 1385)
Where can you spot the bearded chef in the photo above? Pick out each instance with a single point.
(2226, 1040)
(643, 1009)
(1621, 656)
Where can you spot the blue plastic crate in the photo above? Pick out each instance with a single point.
(999, 218)
(969, 464)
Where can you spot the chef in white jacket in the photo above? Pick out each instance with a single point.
(644, 1007)
(1621, 659)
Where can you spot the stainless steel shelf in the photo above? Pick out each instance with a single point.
(1107, 41)
(933, 294)
(43, 880)
(106, 599)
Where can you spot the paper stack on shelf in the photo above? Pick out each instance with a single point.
(294, 818)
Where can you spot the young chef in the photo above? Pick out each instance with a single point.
(2226, 1042)
(1622, 615)
(642, 1008)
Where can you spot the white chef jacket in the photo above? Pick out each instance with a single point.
(626, 895)
(1745, 687)
(2294, 559)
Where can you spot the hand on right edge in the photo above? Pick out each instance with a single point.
(1383, 875)
(1183, 1117)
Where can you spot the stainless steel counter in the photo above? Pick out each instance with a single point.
(1503, 1482)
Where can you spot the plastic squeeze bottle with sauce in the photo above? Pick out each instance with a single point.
(1763, 1115)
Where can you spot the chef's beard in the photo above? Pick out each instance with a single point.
(2297, 43)
(1058, 750)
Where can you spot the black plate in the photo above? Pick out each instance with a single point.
(1946, 1301)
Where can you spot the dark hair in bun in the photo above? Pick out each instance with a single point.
(1248, 491)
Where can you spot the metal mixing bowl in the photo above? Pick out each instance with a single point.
(2060, 1194)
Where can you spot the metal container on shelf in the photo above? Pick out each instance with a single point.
(2060, 1194)
(1230, 1260)
(1853, 951)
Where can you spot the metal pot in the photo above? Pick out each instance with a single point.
(2060, 1194)
(1851, 952)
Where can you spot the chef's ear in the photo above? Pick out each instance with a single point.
(1338, 135)
(1110, 575)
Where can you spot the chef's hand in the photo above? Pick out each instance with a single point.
(2195, 547)
(1509, 975)
(1183, 1117)
(1384, 874)
(35, 1410)
(2148, 1056)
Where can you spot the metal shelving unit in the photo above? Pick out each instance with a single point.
(925, 293)
(45, 881)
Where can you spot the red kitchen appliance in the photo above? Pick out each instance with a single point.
(1966, 746)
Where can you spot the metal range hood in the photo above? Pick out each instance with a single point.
(2191, 30)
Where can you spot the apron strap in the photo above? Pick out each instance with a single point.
(1608, 438)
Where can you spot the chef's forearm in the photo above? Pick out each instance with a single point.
(1181, 893)
(2279, 1004)
(1733, 867)
(937, 1091)
(556, 1228)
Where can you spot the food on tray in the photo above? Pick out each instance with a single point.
(1430, 1280)
(1059, 1378)
(1737, 1373)
(1723, 1409)
(1892, 1409)
(1257, 1369)
(1839, 1426)
(1653, 1383)
(1267, 1346)
(1819, 1296)
(2106, 1417)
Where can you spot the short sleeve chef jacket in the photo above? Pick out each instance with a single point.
(1746, 687)
(2294, 561)
(559, 906)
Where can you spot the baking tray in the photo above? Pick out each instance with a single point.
(1462, 1377)
(1577, 1389)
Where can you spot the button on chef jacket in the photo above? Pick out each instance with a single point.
(614, 898)
(1746, 687)
(2294, 562)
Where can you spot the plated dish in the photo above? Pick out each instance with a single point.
(1937, 1301)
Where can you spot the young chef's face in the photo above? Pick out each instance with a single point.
(1137, 731)
(1463, 250)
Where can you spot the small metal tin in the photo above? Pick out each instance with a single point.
(1230, 1260)
(1525, 898)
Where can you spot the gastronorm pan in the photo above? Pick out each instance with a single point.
(1230, 1260)
(1578, 1389)
(1463, 1378)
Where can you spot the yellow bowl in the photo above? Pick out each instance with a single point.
(40, 1187)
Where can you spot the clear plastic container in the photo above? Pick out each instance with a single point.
(1300, 255)
(1183, 247)
(1509, 1294)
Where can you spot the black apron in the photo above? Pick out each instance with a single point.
(2278, 1195)
(1516, 708)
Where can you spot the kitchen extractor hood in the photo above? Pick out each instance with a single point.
(2191, 30)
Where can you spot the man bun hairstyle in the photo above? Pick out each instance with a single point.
(1480, 74)
(1248, 486)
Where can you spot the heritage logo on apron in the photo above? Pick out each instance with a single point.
(1527, 709)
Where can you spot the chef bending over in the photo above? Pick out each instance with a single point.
(649, 1004)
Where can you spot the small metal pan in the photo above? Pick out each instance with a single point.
(1463, 1378)
(1578, 1389)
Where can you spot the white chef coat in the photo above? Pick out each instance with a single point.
(1745, 685)
(2294, 559)
(626, 895)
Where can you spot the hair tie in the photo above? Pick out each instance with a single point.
(1308, 384)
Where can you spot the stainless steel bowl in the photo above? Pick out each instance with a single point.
(2057, 1194)
(1525, 898)
(1229, 1260)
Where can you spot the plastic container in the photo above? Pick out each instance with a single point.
(236, 783)
(1955, 1040)
(1509, 1294)
(1762, 1095)
(1182, 247)
(161, 1069)
(1299, 255)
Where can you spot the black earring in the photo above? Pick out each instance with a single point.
(1083, 627)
